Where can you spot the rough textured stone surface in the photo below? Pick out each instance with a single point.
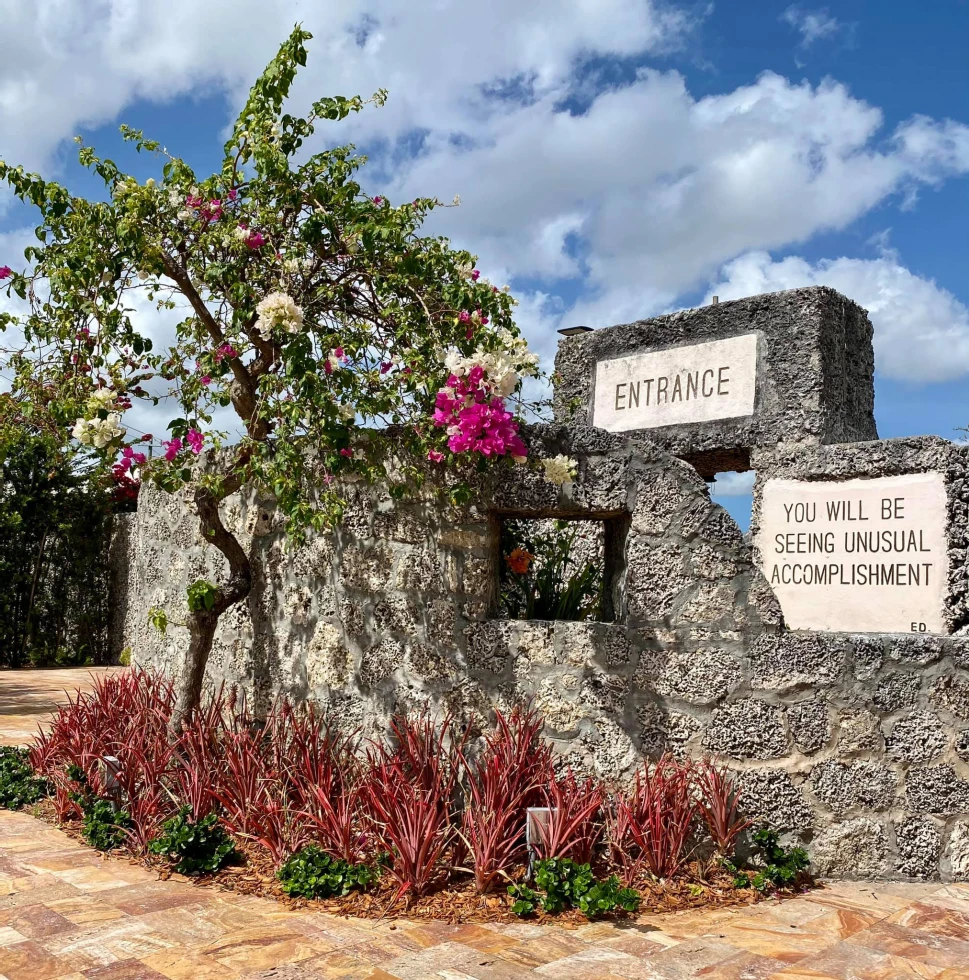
(815, 372)
(747, 729)
(959, 850)
(771, 796)
(919, 844)
(846, 786)
(808, 721)
(918, 737)
(936, 789)
(853, 849)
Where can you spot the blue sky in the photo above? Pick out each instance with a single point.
(614, 160)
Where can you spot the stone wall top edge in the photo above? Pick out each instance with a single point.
(873, 458)
(602, 335)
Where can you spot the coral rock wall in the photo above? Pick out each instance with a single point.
(856, 744)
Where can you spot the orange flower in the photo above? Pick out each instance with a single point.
(519, 560)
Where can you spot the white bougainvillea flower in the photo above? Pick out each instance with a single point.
(99, 433)
(278, 311)
(560, 469)
(103, 398)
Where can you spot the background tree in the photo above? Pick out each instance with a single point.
(55, 521)
(312, 309)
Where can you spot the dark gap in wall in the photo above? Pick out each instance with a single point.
(560, 568)
(708, 464)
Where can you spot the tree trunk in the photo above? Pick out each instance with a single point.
(203, 623)
(33, 592)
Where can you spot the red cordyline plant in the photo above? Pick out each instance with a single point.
(718, 800)
(650, 825)
(200, 770)
(253, 790)
(502, 782)
(408, 798)
(573, 827)
(326, 779)
(124, 716)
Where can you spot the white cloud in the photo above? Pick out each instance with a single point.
(639, 198)
(812, 24)
(921, 329)
(733, 484)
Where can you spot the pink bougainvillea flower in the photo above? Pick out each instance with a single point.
(256, 240)
(147, 437)
(172, 448)
(475, 275)
(339, 353)
(233, 194)
(469, 333)
(5, 272)
(464, 316)
(206, 381)
(378, 200)
(385, 367)
(139, 458)
(435, 456)
(328, 366)
(346, 452)
(194, 439)
(475, 421)
(127, 452)
(226, 350)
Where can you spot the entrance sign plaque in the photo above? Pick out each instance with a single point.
(676, 386)
(865, 555)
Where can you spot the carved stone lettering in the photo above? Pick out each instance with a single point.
(677, 386)
(857, 555)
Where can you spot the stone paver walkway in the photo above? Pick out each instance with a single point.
(67, 913)
(27, 697)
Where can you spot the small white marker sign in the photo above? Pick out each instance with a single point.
(676, 386)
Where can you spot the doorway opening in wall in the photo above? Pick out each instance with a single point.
(734, 492)
(559, 569)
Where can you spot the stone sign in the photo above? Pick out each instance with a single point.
(693, 383)
(864, 555)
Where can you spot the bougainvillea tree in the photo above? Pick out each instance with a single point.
(314, 310)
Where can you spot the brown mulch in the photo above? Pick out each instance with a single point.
(254, 874)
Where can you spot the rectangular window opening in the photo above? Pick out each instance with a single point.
(565, 569)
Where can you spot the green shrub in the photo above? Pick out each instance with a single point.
(564, 882)
(607, 896)
(104, 825)
(124, 658)
(778, 867)
(526, 900)
(18, 784)
(312, 873)
(568, 884)
(194, 846)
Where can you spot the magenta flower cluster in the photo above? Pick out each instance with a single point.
(129, 460)
(209, 210)
(194, 440)
(5, 272)
(476, 421)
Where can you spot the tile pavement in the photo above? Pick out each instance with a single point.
(28, 697)
(66, 914)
